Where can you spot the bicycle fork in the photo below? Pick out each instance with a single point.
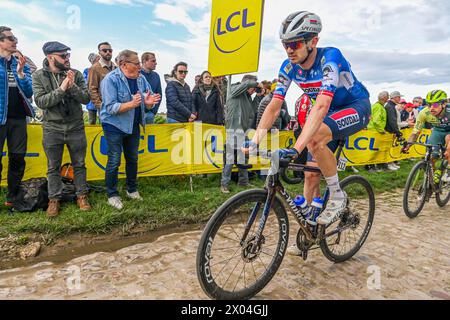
(262, 221)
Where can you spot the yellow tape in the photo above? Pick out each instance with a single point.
(175, 149)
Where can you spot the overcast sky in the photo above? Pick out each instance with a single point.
(392, 45)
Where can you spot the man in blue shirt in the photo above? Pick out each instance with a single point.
(126, 95)
(148, 71)
(15, 92)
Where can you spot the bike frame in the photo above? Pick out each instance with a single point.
(429, 171)
(275, 187)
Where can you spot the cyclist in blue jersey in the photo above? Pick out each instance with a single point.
(341, 108)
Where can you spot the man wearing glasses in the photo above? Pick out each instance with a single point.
(126, 96)
(342, 105)
(437, 115)
(15, 90)
(60, 91)
(99, 71)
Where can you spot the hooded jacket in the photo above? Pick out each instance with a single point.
(24, 85)
(62, 110)
(240, 107)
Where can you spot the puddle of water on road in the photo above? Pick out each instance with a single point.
(60, 255)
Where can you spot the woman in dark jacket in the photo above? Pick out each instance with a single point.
(178, 96)
(207, 102)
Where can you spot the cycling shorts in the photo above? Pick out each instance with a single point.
(346, 122)
(437, 137)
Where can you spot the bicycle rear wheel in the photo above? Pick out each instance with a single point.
(228, 268)
(443, 197)
(416, 189)
(347, 235)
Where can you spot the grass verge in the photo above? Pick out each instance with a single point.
(168, 201)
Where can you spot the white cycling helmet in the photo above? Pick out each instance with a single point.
(300, 25)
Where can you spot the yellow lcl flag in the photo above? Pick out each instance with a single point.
(235, 36)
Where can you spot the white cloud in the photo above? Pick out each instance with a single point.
(124, 2)
(391, 44)
(32, 12)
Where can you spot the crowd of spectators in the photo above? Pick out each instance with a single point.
(124, 96)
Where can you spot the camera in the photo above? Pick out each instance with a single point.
(258, 90)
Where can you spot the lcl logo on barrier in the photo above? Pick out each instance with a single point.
(231, 24)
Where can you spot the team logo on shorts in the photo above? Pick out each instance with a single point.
(346, 118)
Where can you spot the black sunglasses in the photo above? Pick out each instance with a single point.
(63, 55)
(183, 71)
(107, 50)
(10, 38)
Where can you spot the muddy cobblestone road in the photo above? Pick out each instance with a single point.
(411, 258)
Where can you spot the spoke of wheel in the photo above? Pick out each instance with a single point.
(267, 254)
(245, 285)
(232, 271)
(223, 249)
(226, 237)
(236, 254)
(264, 265)
(240, 275)
(254, 272)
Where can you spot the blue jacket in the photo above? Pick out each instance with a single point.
(24, 85)
(155, 83)
(90, 105)
(180, 104)
(115, 91)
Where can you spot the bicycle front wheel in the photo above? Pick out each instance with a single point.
(343, 239)
(416, 189)
(230, 267)
(443, 196)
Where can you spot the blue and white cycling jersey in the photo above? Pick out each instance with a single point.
(331, 75)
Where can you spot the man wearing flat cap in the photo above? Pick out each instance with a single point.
(391, 113)
(59, 91)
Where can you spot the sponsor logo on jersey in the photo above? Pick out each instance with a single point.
(288, 68)
(327, 70)
(282, 79)
(311, 88)
(346, 118)
(347, 79)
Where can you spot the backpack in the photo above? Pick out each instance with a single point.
(33, 195)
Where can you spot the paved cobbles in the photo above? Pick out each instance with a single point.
(402, 259)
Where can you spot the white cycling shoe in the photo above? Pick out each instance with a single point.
(333, 211)
(446, 177)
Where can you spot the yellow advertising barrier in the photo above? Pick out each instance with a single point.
(235, 36)
(175, 149)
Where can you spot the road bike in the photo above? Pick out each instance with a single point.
(421, 184)
(244, 242)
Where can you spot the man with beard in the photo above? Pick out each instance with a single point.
(59, 91)
(99, 71)
(15, 90)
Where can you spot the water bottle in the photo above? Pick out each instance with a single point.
(316, 206)
(301, 203)
(437, 172)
